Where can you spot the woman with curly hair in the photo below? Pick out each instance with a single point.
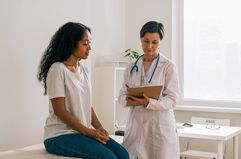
(72, 127)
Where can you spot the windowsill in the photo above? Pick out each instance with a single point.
(207, 109)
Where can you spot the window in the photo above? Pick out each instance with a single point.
(211, 52)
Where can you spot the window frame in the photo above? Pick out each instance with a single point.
(178, 57)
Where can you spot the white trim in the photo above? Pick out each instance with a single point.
(120, 68)
(177, 39)
(208, 109)
(212, 103)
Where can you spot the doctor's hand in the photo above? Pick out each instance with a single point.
(139, 101)
(99, 135)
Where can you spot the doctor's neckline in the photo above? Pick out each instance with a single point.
(149, 60)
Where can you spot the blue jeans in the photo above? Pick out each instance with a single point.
(77, 145)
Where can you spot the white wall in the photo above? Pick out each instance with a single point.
(138, 13)
(111, 36)
(26, 29)
(108, 27)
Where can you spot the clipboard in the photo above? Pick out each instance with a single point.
(151, 91)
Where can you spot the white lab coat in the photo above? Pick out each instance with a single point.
(151, 132)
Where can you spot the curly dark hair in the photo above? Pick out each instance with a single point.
(152, 27)
(63, 43)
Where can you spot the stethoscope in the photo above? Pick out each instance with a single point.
(135, 67)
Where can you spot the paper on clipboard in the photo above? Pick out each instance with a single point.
(151, 91)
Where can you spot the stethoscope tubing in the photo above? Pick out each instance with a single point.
(135, 67)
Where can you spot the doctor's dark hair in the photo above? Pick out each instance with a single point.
(63, 43)
(152, 27)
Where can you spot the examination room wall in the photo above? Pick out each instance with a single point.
(26, 29)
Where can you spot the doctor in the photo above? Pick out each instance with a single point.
(151, 126)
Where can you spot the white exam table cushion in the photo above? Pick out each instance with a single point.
(38, 151)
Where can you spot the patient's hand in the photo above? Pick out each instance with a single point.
(104, 131)
(98, 135)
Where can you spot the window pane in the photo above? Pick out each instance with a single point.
(212, 50)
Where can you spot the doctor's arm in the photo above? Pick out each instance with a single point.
(60, 111)
(170, 92)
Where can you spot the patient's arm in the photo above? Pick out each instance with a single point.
(69, 119)
(96, 123)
